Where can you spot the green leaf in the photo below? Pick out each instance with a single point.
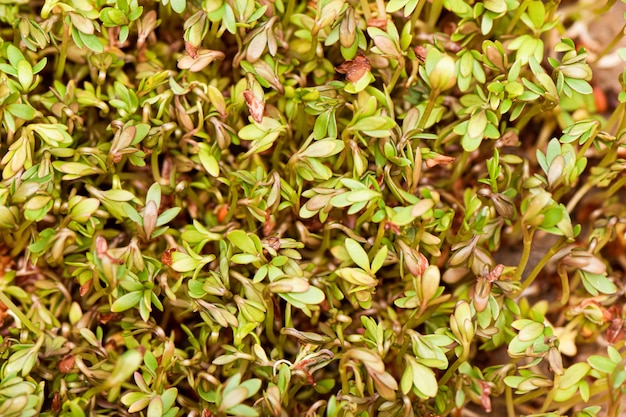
(181, 262)
(167, 216)
(602, 364)
(312, 296)
(243, 410)
(597, 283)
(112, 17)
(580, 86)
(155, 408)
(323, 148)
(126, 301)
(25, 74)
(424, 379)
(92, 42)
(573, 375)
(241, 240)
(358, 254)
(177, 5)
(23, 111)
(537, 13)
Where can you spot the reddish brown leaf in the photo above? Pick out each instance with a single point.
(166, 258)
(420, 52)
(255, 107)
(191, 50)
(222, 212)
(600, 99)
(84, 289)
(56, 402)
(101, 246)
(439, 160)
(66, 364)
(354, 69)
(485, 399)
(378, 23)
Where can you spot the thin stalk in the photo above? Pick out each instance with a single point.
(546, 258)
(402, 351)
(587, 144)
(528, 243)
(510, 407)
(435, 11)
(21, 242)
(550, 396)
(614, 408)
(430, 105)
(291, 4)
(615, 187)
(526, 398)
(58, 74)
(282, 339)
(422, 317)
(269, 324)
(365, 5)
(523, 121)
(313, 52)
(612, 411)
(18, 313)
(616, 117)
(454, 366)
(458, 168)
(599, 387)
(580, 193)
(416, 14)
(396, 74)
(618, 37)
(564, 286)
(516, 17)
(154, 164)
(380, 234)
(382, 11)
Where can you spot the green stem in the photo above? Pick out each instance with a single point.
(365, 5)
(580, 193)
(546, 258)
(269, 323)
(616, 117)
(614, 408)
(587, 144)
(430, 105)
(154, 164)
(435, 11)
(458, 168)
(63, 54)
(615, 188)
(528, 243)
(380, 234)
(600, 387)
(564, 286)
(550, 396)
(396, 74)
(529, 396)
(18, 313)
(402, 351)
(21, 242)
(618, 37)
(313, 52)
(516, 17)
(523, 121)
(444, 379)
(510, 407)
(416, 14)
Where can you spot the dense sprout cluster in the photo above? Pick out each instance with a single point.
(333, 208)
